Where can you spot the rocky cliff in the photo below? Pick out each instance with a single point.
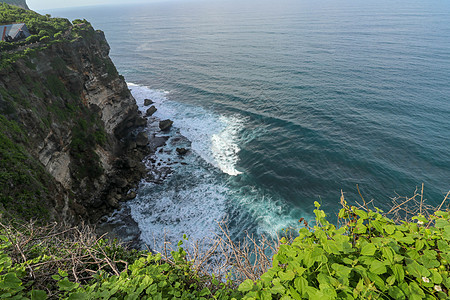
(19, 3)
(67, 133)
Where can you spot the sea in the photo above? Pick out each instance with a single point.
(281, 104)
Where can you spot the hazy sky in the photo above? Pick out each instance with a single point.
(48, 4)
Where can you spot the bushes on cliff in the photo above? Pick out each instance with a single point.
(43, 28)
(40, 25)
(23, 181)
(369, 257)
(59, 262)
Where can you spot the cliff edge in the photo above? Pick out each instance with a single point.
(68, 126)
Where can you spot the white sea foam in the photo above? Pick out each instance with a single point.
(190, 206)
(224, 147)
(215, 138)
(203, 187)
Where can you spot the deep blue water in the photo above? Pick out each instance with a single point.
(284, 103)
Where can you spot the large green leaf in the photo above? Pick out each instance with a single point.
(399, 272)
(436, 277)
(10, 281)
(77, 296)
(361, 213)
(443, 246)
(38, 295)
(390, 229)
(286, 276)
(301, 284)
(379, 282)
(377, 267)
(441, 223)
(416, 269)
(446, 232)
(377, 225)
(368, 249)
(388, 254)
(341, 270)
(277, 288)
(396, 293)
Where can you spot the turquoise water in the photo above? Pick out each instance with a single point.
(284, 103)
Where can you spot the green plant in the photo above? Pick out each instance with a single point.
(44, 39)
(43, 29)
(151, 277)
(368, 257)
(62, 261)
(32, 38)
(23, 181)
(55, 85)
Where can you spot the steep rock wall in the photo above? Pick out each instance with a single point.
(78, 121)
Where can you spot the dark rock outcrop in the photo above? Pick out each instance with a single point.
(182, 151)
(148, 102)
(150, 111)
(77, 117)
(142, 139)
(165, 125)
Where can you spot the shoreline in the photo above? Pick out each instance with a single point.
(119, 223)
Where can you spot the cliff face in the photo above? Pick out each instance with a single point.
(19, 3)
(75, 120)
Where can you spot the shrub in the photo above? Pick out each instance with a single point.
(57, 35)
(369, 257)
(32, 39)
(4, 46)
(43, 33)
(42, 28)
(44, 39)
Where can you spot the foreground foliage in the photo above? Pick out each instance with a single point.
(368, 256)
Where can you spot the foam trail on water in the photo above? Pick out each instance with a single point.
(215, 138)
(204, 186)
(224, 148)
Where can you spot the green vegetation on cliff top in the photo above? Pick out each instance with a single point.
(44, 30)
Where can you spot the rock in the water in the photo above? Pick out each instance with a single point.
(148, 102)
(141, 139)
(182, 151)
(151, 111)
(165, 124)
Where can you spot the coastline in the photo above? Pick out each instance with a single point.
(143, 143)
